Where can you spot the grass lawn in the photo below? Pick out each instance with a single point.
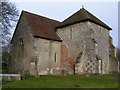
(70, 81)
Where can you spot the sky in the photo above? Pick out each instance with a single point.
(105, 11)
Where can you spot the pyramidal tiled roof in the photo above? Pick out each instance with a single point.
(42, 27)
(81, 16)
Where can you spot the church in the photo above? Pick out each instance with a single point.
(78, 45)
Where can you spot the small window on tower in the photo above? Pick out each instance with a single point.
(70, 33)
(96, 44)
(101, 29)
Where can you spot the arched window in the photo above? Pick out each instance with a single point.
(21, 41)
(55, 58)
(21, 48)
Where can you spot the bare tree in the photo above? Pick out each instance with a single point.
(8, 21)
(9, 17)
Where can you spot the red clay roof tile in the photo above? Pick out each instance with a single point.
(42, 27)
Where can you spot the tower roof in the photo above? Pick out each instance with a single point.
(81, 16)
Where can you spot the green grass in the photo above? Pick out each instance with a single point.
(71, 81)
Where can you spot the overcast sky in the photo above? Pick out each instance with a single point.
(105, 11)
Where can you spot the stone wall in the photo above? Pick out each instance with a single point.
(67, 63)
(21, 48)
(87, 42)
(48, 55)
(113, 64)
(101, 36)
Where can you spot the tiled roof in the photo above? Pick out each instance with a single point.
(81, 16)
(42, 27)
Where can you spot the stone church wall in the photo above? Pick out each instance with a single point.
(101, 36)
(33, 56)
(85, 42)
(48, 56)
(21, 48)
(113, 66)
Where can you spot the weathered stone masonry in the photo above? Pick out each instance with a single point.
(22, 48)
(84, 43)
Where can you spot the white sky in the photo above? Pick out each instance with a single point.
(105, 11)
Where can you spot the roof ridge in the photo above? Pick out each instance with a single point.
(85, 12)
